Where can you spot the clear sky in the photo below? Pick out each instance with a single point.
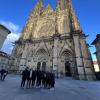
(14, 13)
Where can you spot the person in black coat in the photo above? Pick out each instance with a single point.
(39, 78)
(3, 74)
(52, 78)
(33, 77)
(43, 78)
(0, 74)
(24, 77)
(48, 79)
(28, 79)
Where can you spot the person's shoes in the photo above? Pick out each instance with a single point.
(52, 89)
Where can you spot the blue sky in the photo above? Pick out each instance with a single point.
(14, 13)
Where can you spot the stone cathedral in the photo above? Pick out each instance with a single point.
(52, 40)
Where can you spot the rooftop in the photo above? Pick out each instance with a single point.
(3, 54)
(2, 26)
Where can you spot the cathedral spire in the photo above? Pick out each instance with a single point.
(74, 22)
(39, 7)
(63, 4)
(40, 1)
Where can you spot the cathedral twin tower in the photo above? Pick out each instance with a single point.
(63, 19)
(52, 40)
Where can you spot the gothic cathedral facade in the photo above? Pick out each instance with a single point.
(52, 40)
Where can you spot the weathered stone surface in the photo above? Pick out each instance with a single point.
(3, 34)
(53, 39)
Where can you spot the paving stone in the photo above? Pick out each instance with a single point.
(65, 89)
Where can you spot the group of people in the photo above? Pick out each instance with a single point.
(3, 74)
(37, 78)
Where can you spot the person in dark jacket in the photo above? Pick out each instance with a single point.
(43, 76)
(33, 77)
(24, 77)
(38, 76)
(52, 76)
(0, 74)
(3, 74)
(28, 79)
(47, 79)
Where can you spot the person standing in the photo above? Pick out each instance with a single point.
(30, 77)
(33, 77)
(52, 80)
(43, 76)
(0, 74)
(38, 75)
(3, 74)
(24, 77)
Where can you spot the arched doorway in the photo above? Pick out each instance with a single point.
(42, 59)
(38, 65)
(67, 69)
(66, 62)
(44, 66)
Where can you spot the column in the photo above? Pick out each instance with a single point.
(78, 53)
(55, 54)
(87, 59)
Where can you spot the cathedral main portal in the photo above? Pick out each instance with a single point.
(67, 69)
(42, 59)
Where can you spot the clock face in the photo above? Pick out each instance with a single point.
(44, 29)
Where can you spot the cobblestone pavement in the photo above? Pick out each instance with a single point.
(66, 89)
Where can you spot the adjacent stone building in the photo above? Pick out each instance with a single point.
(96, 42)
(4, 60)
(3, 34)
(52, 40)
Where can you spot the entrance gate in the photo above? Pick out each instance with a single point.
(67, 69)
